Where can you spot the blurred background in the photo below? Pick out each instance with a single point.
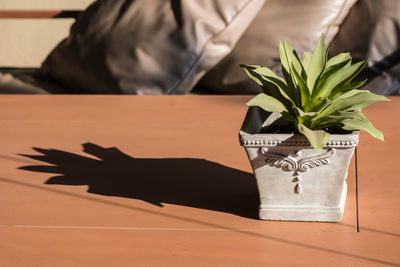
(184, 46)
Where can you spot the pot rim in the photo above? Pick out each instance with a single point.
(249, 135)
(272, 140)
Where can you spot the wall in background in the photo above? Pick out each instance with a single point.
(26, 42)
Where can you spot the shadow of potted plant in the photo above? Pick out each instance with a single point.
(300, 134)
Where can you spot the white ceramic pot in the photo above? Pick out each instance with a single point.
(295, 182)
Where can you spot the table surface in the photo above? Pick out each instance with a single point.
(162, 181)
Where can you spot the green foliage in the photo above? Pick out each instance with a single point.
(316, 94)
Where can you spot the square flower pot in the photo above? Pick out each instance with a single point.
(295, 182)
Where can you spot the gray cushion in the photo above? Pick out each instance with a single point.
(148, 46)
(24, 81)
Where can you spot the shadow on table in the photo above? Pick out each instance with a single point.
(183, 181)
(188, 182)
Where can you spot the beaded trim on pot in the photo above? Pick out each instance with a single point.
(272, 143)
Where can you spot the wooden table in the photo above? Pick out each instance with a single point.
(162, 181)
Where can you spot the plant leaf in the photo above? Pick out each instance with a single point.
(351, 121)
(334, 119)
(302, 113)
(306, 59)
(342, 57)
(328, 72)
(359, 100)
(284, 53)
(296, 63)
(267, 72)
(305, 118)
(248, 69)
(363, 124)
(285, 62)
(274, 116)
(270, 77)
(267, 103)
(317, 138)
(348, 94)
(271, 84)
(317, 63)
(348, 88)
(304, 90)
(335, 83)
(331, 120)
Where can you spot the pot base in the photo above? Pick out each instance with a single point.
(310, 214)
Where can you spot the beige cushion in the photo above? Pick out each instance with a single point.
(148, 46)
(300, 23)
(44, 4)
(27, 42)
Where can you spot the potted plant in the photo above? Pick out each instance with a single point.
(300, 134)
